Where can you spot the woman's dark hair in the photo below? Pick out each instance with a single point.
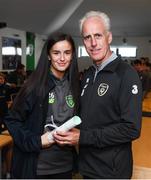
(38, 80)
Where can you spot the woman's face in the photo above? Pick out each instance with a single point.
(60, 55)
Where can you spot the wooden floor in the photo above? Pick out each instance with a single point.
(146, 106)
(142, 151)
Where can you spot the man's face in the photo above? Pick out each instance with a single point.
(96, 39)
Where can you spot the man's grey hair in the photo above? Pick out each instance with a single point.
(99, 14)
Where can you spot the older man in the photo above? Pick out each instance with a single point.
(111, 99)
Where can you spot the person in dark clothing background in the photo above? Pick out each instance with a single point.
(143, 70)
(17, 77)
(5, 92)
(48, 97)
(110, 108)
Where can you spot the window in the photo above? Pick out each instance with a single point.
(11, 53)
(114, 49)
(129, 51)
(82, 51)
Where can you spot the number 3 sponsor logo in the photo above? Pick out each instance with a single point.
(134, 89)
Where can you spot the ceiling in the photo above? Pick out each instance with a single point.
(128, 17)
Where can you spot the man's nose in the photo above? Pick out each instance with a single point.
(93, 41)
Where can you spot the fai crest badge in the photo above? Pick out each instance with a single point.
(51, 99)
(69, 101)
(102, 89)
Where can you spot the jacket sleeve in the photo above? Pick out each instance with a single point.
(128, 127)
(24, 137)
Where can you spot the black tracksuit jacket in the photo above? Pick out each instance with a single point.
(111, 115)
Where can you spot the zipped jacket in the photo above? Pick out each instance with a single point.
(111, 115)
(26, 127)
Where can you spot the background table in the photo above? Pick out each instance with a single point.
(5, 140)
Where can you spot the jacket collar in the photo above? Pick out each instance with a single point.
(112, 65)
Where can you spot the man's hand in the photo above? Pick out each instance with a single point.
(71, 137)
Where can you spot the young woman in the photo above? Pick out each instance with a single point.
(49, 97)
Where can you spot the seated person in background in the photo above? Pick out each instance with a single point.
(17, 77)
(5, 91)
(143, 71)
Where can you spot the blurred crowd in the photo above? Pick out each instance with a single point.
(10, 83)
(143, 67)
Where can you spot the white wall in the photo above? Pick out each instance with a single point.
(142, 43)
(143, 48)
(39, 42)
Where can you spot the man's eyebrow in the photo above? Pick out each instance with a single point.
(85, 36)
